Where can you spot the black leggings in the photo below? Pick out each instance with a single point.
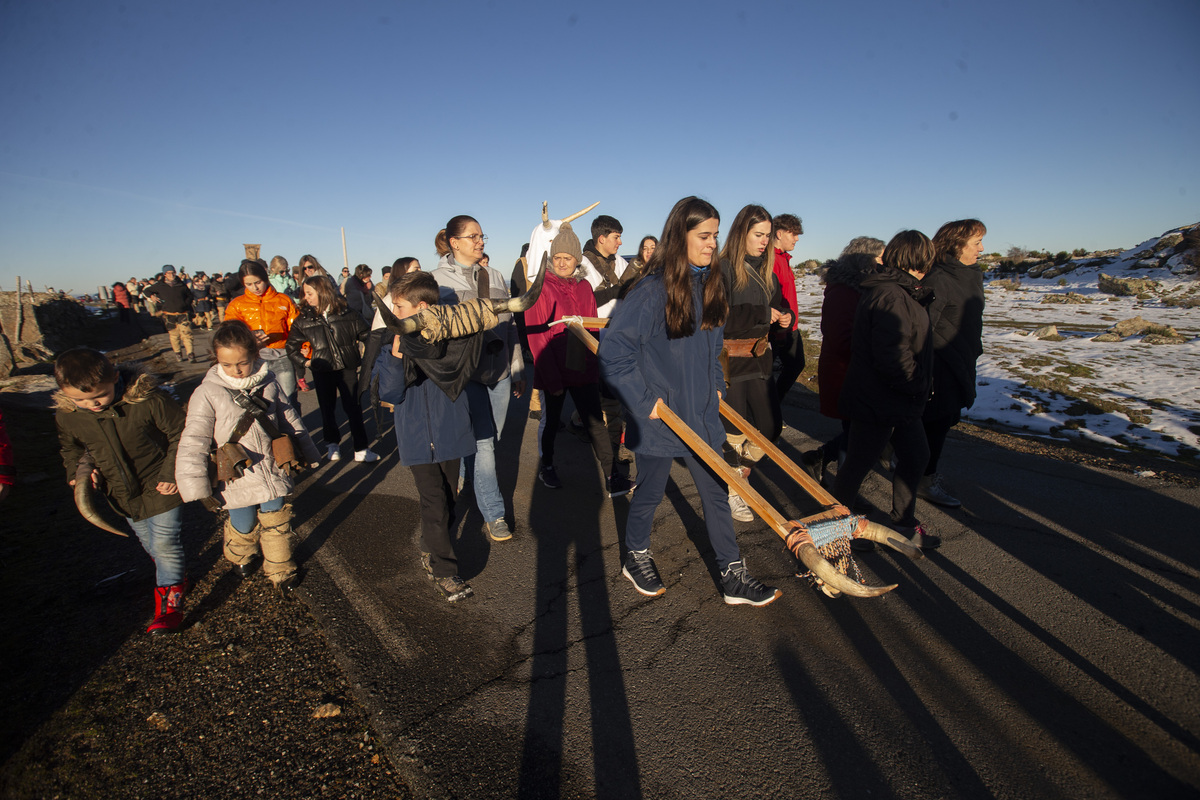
(587, 401)
(328, 386)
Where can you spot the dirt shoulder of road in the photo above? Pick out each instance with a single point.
(247, 700)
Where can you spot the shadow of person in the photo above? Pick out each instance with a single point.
(566, 525)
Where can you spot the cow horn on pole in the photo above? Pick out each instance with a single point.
(543, 235)
(451, 322)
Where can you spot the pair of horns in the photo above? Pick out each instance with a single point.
(572, 218)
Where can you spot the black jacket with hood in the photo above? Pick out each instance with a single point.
(957, 316)
(890, 374)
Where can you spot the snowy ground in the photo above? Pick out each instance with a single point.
(1129, 394)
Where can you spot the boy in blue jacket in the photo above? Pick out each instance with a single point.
(425, 381)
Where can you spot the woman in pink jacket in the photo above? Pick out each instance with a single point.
(562, 363)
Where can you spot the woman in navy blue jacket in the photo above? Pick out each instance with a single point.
(663, 343)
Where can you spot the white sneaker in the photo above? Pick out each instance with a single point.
(738, 508)
(932, 489)
(365, 455)
(333, 453)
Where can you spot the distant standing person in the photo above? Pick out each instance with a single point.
(357, 291)
(786, 340)
(121, 298)
(175, 303)
(957, 315)
(281, 278)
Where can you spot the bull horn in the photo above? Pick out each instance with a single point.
(393, 323)
(545, 216)
(808, 555)
(525, 301)
(579, 214)
(884, 535)
(85, 496)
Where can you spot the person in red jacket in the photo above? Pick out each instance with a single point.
(786, 341)
(562, 362)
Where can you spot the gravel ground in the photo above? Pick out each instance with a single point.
(247, 700)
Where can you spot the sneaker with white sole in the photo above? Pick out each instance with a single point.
(740, 589)
(617, 485)
(932, 489)
(366, 455)
(549, 476)
(643, 574)
(454, 588)
(334, 453)
(738, 508)
(498, 530)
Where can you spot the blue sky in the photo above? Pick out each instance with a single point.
(138, 134)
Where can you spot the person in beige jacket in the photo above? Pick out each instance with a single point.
(258, 514)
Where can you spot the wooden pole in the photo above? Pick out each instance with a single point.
(20, 314)
(345, 260)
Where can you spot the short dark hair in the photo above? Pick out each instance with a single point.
(788, 222)
(234, 333)
(416, 287)
(84, 369)
(910, 251)
(603, 225)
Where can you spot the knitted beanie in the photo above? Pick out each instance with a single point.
(566, 242)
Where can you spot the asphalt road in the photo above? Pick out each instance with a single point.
(1048, 649)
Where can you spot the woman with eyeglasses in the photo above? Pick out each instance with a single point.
(500, 374)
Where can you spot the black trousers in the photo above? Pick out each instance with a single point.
(936, 430)
(437, 486)
(757, 402)
(866, 443)
(789, 349)
(587, 401)
(328, 386)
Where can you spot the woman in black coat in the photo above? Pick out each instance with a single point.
(957, 316)
(333, 332)
(889, 380)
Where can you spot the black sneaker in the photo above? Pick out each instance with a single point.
(740, 589)
(454, 588)
(639, 568)
(549, 477)
(618, 485)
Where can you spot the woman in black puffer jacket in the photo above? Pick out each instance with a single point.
(957, 316)
(889, 379)
(333, 332)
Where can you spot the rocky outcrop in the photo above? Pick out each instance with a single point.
(1127, 287)
(42, 325)
(1070, 298)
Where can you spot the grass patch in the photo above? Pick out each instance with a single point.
(1076, 371)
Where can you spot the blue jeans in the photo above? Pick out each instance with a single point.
(489, 407)
(244, 519)
(284, 372)
(652, 474)
(159, 536)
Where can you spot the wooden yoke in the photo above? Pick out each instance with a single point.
(794, 535)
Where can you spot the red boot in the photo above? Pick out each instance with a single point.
(168, 609)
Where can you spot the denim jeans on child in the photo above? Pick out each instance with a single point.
(160, 539)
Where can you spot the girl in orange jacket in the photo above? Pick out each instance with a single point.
(269, 315)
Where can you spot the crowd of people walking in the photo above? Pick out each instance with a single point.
(685, 324)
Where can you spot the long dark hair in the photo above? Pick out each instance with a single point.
(670, 259)
(254, 268)
(327, 299)
(734, 250)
